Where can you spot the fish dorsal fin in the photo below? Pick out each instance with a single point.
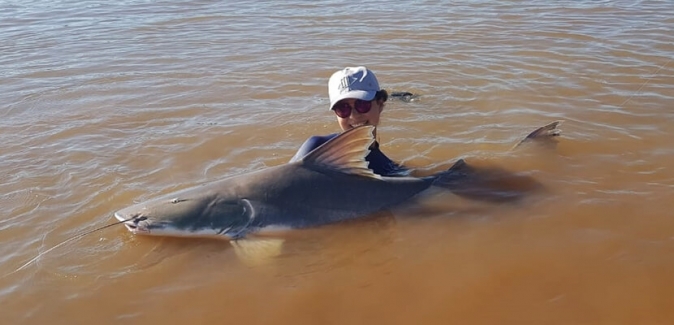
(346, 152)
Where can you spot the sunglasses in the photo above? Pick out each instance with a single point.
(343, 109)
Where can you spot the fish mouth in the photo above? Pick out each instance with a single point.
(135, 225)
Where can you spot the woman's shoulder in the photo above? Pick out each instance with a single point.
(317, 140)
(312, 143)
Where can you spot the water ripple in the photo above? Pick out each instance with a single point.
(108, 103)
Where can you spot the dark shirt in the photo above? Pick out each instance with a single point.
(378, 162)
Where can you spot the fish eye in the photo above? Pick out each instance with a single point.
(176, 200)
(139, 219)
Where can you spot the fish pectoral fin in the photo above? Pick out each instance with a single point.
(257, 251)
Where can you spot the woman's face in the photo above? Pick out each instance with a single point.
(355, 118)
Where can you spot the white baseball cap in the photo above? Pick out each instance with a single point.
(352, 82)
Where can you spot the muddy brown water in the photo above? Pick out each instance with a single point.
(106, 104)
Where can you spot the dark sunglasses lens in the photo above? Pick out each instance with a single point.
(363, 106)
(342, 110)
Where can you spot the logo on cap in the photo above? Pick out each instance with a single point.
(346, 82)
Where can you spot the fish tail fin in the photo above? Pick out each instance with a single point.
(492, 184)
(544, 134)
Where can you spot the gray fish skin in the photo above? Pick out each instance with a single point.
(288, 196)
(295, 195)
(328, 185)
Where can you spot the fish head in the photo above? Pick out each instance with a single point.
(187, 216)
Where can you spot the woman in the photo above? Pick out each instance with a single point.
(356, 99)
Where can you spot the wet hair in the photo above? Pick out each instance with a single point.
(381, 95)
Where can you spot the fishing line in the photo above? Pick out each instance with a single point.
(646, 82)
(69, 240)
